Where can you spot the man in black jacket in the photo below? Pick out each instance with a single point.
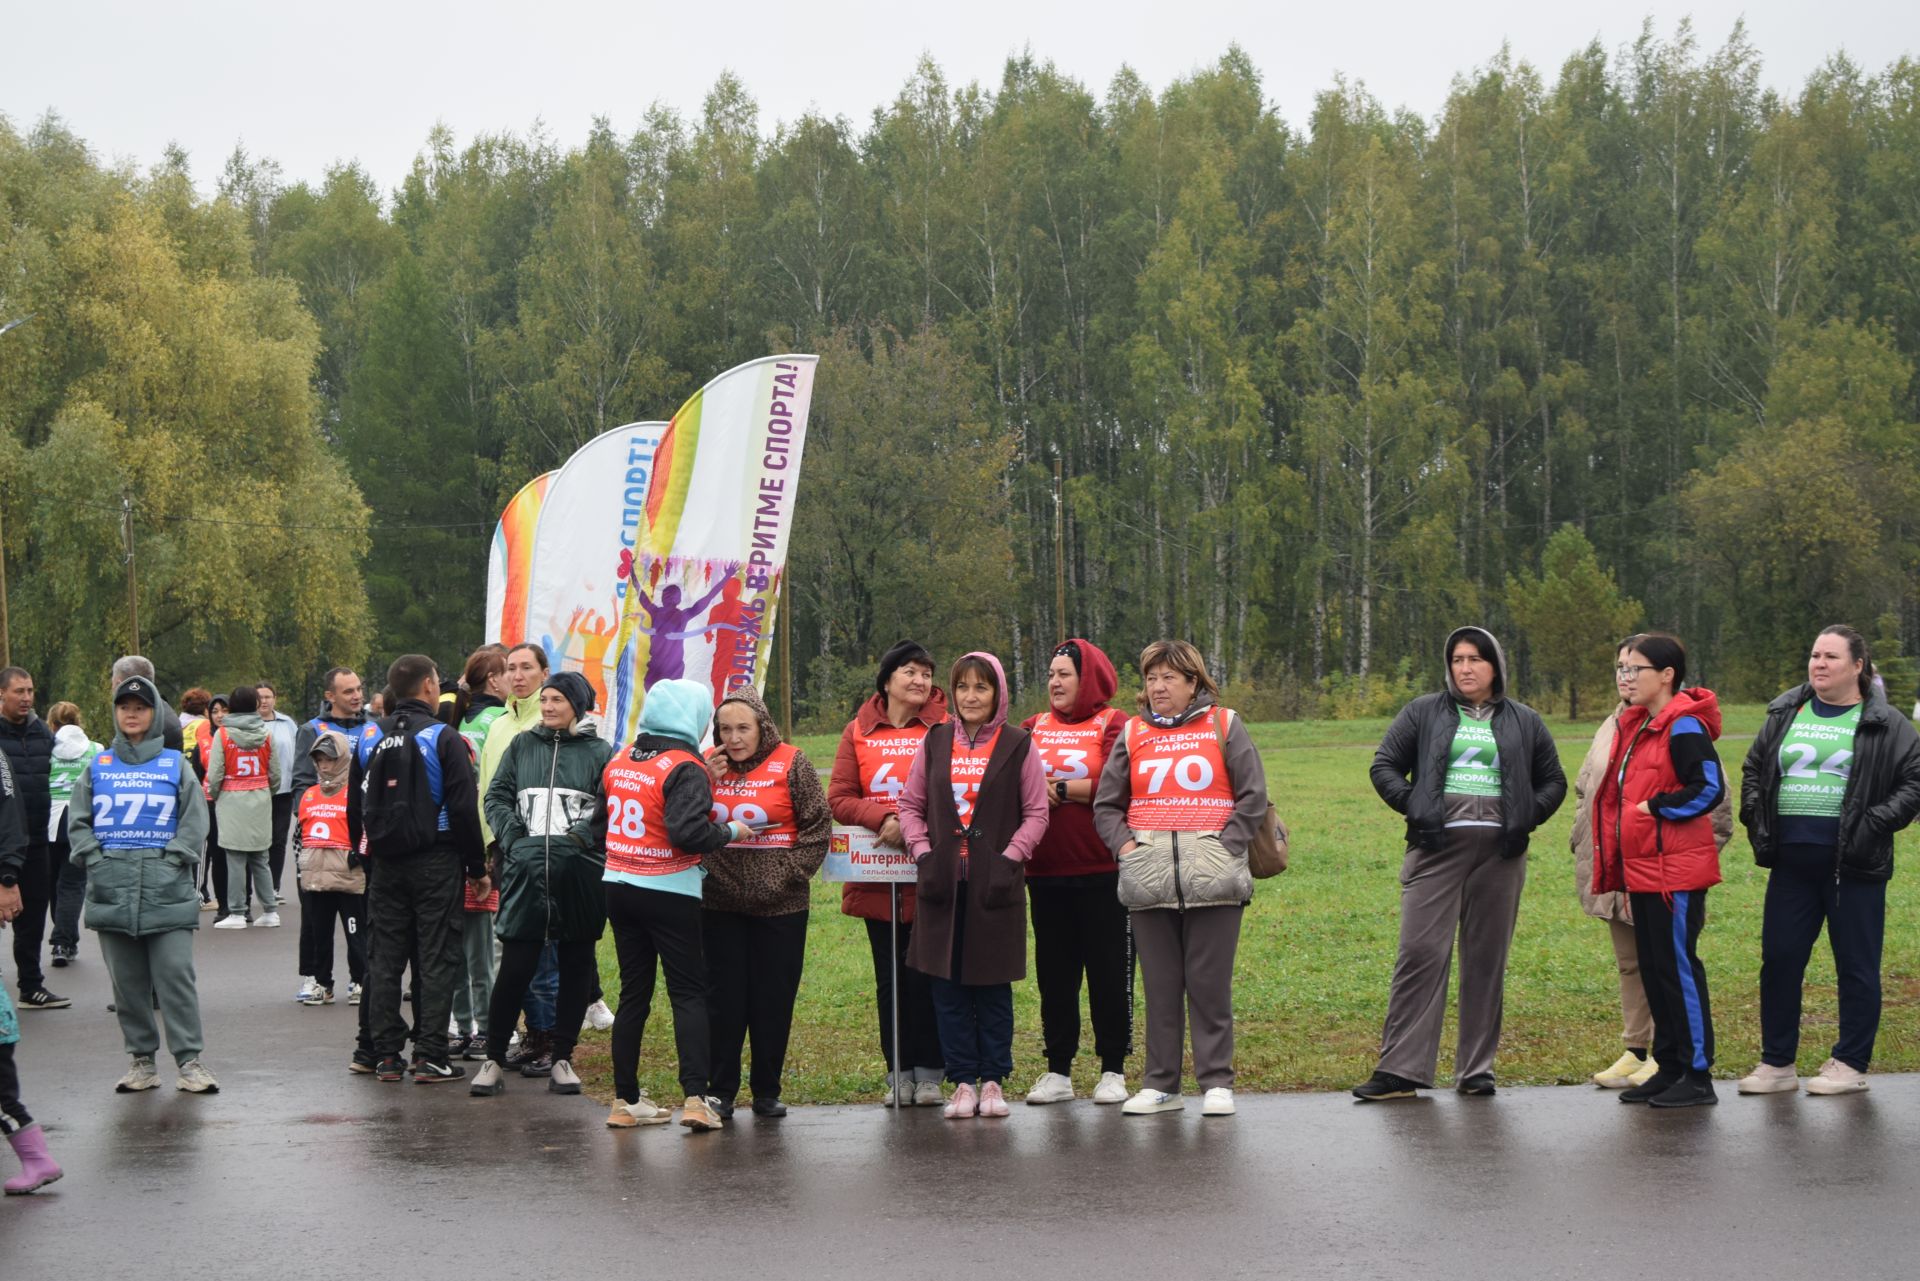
(28, 744)
(411, 792)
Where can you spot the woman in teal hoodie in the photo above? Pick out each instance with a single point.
(136, 822)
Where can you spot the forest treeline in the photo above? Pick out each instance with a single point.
(1319, 389)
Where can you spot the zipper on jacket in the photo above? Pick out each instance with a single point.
(1179, 896)
(553, 772)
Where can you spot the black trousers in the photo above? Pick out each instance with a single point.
(754, 965)
(519, 958)
(1079, 927)
(919, 1028)
(655, 927)
(1667, 940)
(13, 1113)
(414, 914)
(30, 927)
(1802, 895)
(326, 907)
(277, 852)
(69, 883)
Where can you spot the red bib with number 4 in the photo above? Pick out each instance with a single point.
(637, 841)
(762, 799)
(886, 757)
(1180, 781)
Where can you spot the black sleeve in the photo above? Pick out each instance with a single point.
(13, 831)
(1697, 766)
(461, 795)
(690, 824)
(1901, 805)
(356, 788)
(1549, 777)
(305, 773)
(1395, 758)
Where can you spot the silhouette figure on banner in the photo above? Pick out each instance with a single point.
(672, 625)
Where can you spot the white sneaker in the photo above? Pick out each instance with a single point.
(1111, 1089)
(268, 921)
(927, 1094)
(353, 994)
(599, 1017)
(1218, 1102)
(564, 1080)
(140, 1076)
(645, 1111)
(1147, 1102)
(306, 989)
(1051, 1088)
(232, 922)
(195, 1079)
(1837, 1078)
(1767, 1079)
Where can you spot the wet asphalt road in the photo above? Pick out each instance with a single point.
(298, 1169)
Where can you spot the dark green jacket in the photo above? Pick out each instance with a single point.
(141, 892)
(547, 808)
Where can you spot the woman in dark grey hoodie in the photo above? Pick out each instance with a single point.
(1474, 772)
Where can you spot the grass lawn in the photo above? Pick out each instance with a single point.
(1317, 951)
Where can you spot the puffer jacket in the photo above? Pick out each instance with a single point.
(770, 882)
(1653, 853)
(1185, 870)
(1612, 905)
(246, 817)
(141, 892)
(29, 749)
(325, 871)
(1883, 787)
(547, 808)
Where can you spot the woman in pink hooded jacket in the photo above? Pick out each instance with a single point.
(973, 810)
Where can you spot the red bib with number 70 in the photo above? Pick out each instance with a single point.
(1180, 781)
(637, 841)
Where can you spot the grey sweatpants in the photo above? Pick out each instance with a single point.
(148, 968)
(1186, 966)
(1466, 888)
(474, 991)
(239, 863)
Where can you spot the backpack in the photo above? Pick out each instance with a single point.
(402, 790)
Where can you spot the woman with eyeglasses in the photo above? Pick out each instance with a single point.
(1832, 775)
(1653, 837)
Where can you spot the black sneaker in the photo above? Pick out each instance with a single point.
(1659, 1083)
(361, 1064)
(725, 1109)
(392, 1068)
(432, 1072)
(41, 999)
(769, 1107)
(1385, 1085)
(540, 1064)
(63, 955)
(1480, 1083)
(476, 1048)
(1693, 1090)
(457, 1046)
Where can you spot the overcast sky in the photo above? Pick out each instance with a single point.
(314, 84)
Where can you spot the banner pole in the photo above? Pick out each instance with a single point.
(893, 959)
(785, 623)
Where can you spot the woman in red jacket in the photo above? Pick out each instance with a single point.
(1653, 836)
(869, 773)
(1079, 925)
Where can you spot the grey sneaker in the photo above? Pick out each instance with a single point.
(926, 1094)
(140, 1076)
(1768, 1079)
(564, 1079)
(195, 1079)
(1837, 1078)
(488, 1081)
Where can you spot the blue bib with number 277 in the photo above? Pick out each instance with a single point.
(136, 807)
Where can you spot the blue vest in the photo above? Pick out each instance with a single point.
(136, 807)
(427, 743)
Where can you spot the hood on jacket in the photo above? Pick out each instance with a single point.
(873, 712)
(582, 727)
(1489, 648)
(749, 698)
(1097, 680)
(332, 760)
(70, 743)
(1701, 704)
(149, 746)
(999, 716)
(679, 709)
(246, 729)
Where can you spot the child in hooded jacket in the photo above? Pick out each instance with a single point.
(974, 807)
(331, 874)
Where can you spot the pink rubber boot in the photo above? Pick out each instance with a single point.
(36, 1167)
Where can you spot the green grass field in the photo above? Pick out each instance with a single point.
(1317, 951)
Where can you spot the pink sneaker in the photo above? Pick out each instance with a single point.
(992, 1102)
(961, 1105)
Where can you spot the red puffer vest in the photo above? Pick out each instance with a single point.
(1644, 853)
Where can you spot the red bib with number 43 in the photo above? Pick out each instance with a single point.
(1180, 781)
(762, 799)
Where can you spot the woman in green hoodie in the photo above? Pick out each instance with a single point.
(136, 822)
(242, 764)
(545, 810)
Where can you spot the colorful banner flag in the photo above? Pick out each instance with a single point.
(661, 548)
(510, 561)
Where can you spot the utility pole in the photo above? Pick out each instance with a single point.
(1059, 558)
(133, 592)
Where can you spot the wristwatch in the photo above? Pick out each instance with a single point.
(8, 880)
(1060, 790)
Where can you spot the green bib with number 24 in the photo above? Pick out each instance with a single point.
(1815, 758)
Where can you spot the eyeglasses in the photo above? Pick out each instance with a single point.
(1631, 671)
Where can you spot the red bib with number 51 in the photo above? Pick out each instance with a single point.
(1180, 781)
(246, 767)
(637, 841)
(762, 799)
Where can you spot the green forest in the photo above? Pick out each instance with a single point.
(1626, 342)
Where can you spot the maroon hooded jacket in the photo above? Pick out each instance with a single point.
(1071, 846)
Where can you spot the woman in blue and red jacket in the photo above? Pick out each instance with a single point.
(1653, 837)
